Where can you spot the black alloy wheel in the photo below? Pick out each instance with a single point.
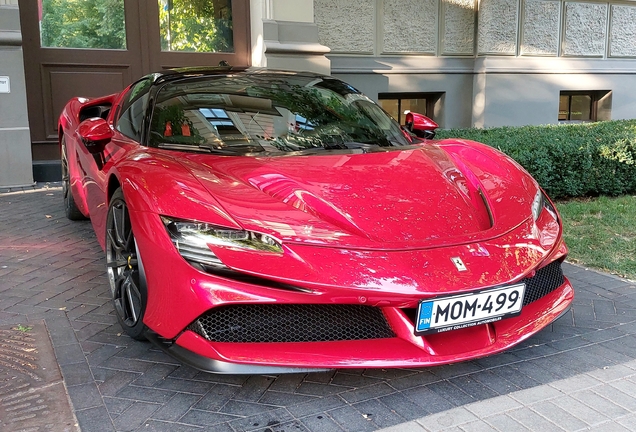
(70, 208)
(125, 271)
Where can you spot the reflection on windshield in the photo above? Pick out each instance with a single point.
(256, 113)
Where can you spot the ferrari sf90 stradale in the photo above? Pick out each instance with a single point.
(262, 221)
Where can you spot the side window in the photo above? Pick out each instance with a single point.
(132, 111)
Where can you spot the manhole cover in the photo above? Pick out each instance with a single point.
(32, 394)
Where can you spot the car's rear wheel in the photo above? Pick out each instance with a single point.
(124, 268)
(70, 208)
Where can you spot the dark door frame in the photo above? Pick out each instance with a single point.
(51, 72)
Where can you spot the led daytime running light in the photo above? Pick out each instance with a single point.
(202, 233)
(541, 202)
(537, 205)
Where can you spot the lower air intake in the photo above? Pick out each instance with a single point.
(545, 280)
(292, 323)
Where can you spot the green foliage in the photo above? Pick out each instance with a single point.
(601, 233)
(23, 328)
(83, 24)
(196, 25)
(573, 160)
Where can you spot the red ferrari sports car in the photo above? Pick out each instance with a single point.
(262, 221)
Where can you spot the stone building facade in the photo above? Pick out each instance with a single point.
(490, 62)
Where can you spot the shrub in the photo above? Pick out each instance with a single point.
(568, 160)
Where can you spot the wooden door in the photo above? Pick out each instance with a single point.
(97, 47)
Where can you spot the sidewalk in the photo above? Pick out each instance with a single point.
(578, 374)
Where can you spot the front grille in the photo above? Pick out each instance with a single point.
(546, 280)
(292, 323)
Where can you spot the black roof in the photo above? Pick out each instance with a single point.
(202, 71)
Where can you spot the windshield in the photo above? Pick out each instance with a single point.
(260, 112)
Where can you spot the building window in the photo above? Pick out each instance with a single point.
(397, 104)
(584, 106)
(196, 26)
(72, 24)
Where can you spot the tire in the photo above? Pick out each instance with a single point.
(70, 208)
(125, 269)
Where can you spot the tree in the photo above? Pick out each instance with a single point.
(83, 24)
(196, 25)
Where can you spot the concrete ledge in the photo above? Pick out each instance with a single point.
(415, 64)
(422, 64)
(295, 48)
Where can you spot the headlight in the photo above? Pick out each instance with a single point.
(540, 202)
(537, 205)
(192, 238)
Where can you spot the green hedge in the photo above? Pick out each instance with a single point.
(568, 160)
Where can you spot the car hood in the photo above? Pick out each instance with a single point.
(417, 197)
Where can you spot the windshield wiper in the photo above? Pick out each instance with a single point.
(197, 148)
(351, 145)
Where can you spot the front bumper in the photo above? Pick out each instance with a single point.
(179, 294)
(403, 350)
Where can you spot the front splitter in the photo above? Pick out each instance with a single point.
(218, 366)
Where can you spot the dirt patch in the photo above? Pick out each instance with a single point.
(32, 393)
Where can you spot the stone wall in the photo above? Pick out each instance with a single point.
(498, 26)
(558, 28)
(504, 63)
(540, 30)
(623, 31)
(410, 26)
(15, 140)
(458, 35)
(585, 29)
(346, 26)
(376, 27)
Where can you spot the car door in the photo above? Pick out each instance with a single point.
(127, 124)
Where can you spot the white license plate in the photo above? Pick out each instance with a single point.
(465, 310)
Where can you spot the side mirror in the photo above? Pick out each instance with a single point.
(95, 134)
(420, 125)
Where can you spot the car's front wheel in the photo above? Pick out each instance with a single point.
(125, 270)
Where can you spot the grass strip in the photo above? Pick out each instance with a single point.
(601, 233)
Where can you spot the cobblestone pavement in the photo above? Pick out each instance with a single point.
(580, 373)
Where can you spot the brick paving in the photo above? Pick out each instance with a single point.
(578, 374)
